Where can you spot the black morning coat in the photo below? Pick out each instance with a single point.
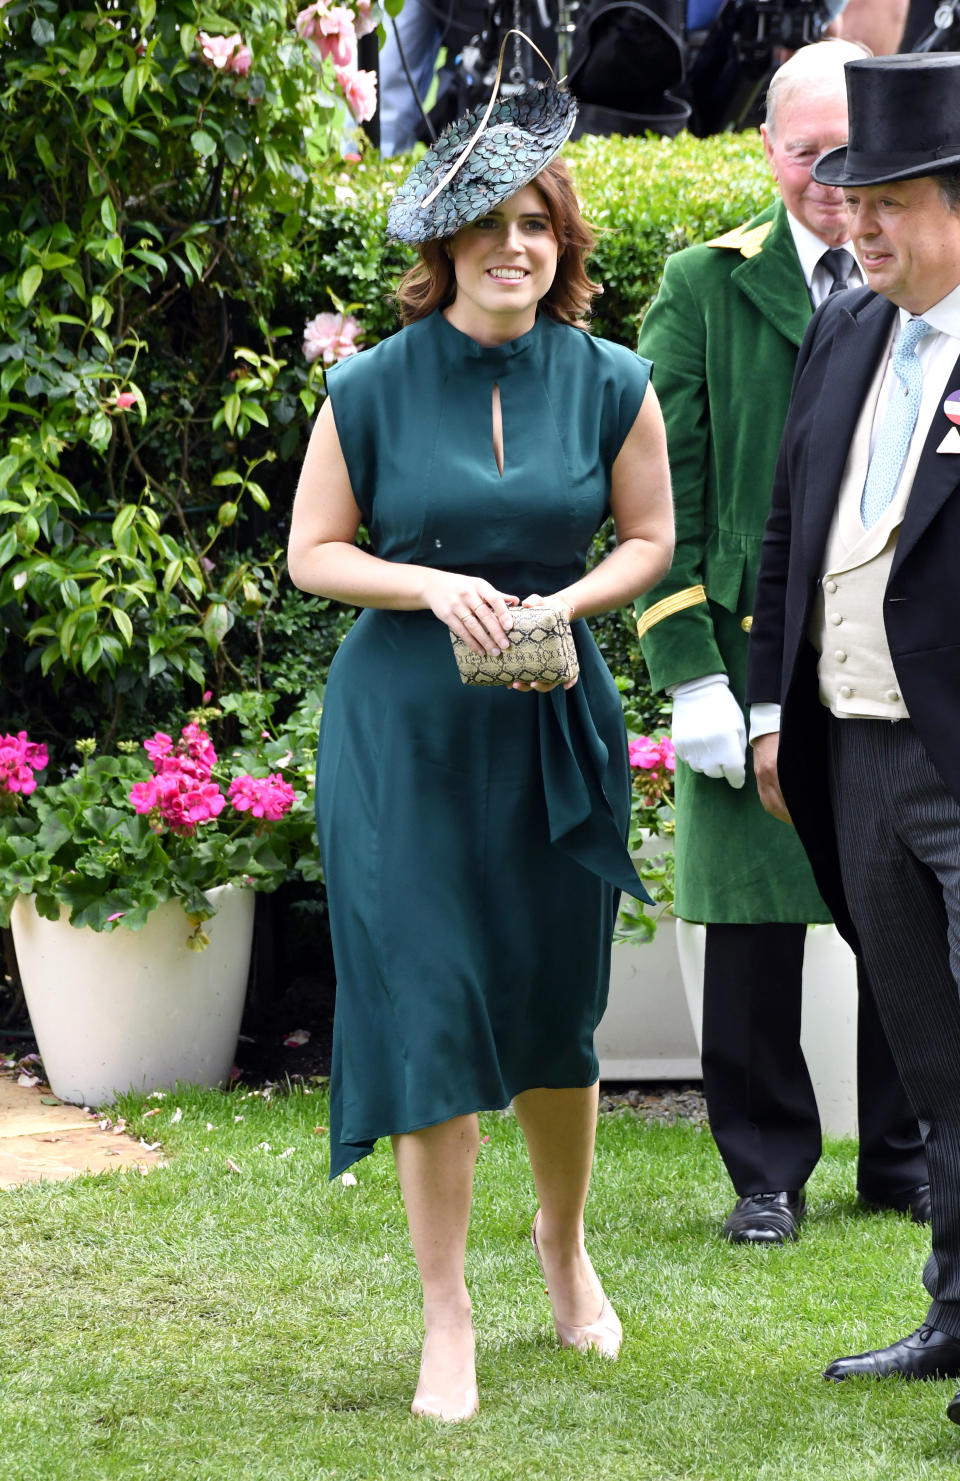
(921, 606)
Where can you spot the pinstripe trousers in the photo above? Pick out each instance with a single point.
(898, 836)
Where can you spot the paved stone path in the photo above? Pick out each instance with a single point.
(55, 1142)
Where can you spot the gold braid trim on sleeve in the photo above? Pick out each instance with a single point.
(690, 597)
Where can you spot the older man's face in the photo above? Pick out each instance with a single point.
(809, 121)
(907, 239)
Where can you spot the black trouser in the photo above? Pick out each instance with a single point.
(898, 833)
(762, 1109)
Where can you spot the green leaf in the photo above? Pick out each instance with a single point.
(108, 215)
(100, 309)
(130, 90)
(231, 411)
(172, 574)
(194, 257)
(226, 475)
(124, 519)
(255, 412)
(29, 283)
(123, 623)
(236, 147)
(217, 622)
(42, 145)
(43, 32)
(258, 495)
(203, 143)
(153, 259)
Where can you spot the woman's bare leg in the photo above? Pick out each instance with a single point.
(435, 1169)
(560, 1130)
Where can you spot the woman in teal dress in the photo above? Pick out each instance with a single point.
(474, 839)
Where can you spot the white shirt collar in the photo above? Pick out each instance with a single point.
(809, 247)
(943, 316)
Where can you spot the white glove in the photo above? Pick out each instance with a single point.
(708, 729)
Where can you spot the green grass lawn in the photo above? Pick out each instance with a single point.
(213, 1321)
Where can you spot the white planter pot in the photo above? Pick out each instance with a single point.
(121, 1010)
(828, 1030)
(646, 1033)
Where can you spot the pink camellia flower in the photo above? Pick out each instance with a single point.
(332, 31)
(263, 797)
(226, 53)
(19, 759)
(364, 21)
(241, 61)
(360, 91)
(331, 336)
(124, 400)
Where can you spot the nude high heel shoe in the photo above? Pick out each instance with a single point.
(427, 1406)
(605, 1335)
(452, 1409)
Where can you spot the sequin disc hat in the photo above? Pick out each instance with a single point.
(481, 159)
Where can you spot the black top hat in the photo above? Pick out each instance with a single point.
(904, 120)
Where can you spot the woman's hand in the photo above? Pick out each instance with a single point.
(471, 608)
(561, 604)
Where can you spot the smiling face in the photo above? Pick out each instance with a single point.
(808, 121)
(504, 263)
(907, 239)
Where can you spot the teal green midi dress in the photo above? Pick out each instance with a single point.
(473, 839)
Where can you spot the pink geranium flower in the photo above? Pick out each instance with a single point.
(330, 337)
(360, 91)
(263, 797)
(19, 759)
(653, 762)
(180, 795)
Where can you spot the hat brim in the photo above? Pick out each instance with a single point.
(845, 166)
(522, 135)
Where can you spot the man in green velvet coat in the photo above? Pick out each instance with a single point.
(724, 334)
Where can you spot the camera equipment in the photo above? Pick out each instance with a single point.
(731, 62)
(944, 33)
(639, 66)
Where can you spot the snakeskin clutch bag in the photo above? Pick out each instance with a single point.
(542, 651)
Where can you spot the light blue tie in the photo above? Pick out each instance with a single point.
(896, 429)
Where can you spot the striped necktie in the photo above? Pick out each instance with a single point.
(896, 429)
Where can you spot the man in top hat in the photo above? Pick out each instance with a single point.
(856, 627)
(723, 334)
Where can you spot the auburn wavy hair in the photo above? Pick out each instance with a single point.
(431, 283)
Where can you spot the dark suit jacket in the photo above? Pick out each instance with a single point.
(921, 607)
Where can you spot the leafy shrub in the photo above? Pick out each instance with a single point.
(162, 201)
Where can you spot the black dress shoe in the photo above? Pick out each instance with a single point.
(915, 1202)
(953, 1409)
(926, 1353)
(765, 1218)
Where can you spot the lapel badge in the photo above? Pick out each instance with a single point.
(951, 410)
